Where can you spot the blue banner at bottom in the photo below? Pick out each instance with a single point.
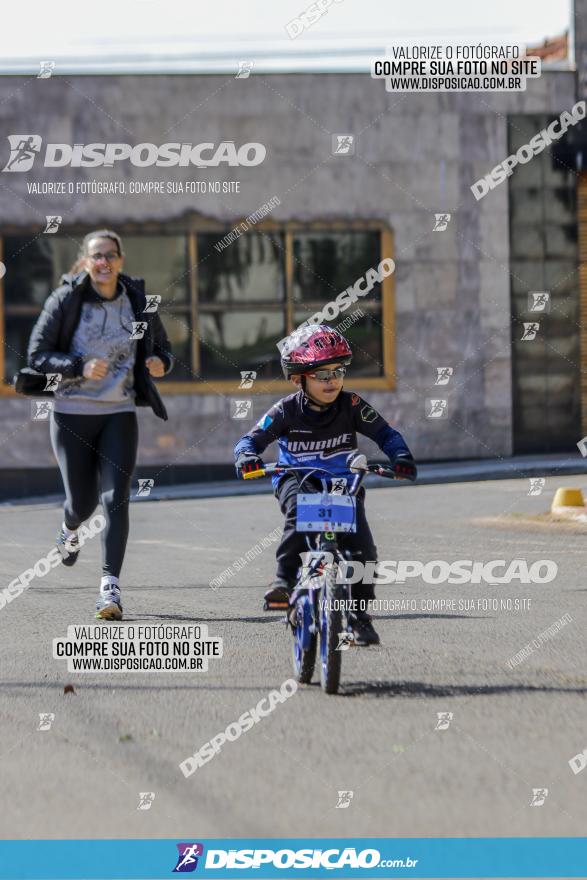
(293, 857)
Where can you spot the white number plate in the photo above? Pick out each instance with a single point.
(326, 513)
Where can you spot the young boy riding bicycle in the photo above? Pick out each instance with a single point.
(316, 426)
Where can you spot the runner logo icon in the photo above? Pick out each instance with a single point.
(343, 144)
(46, 719)
(247, 378)
(443, 375)
(444, 719)
(344, 800)
(138, 329)
(52, 381)
(153, 302)
(23, 150)
(345, 640)
(539, 795)
(441, 222)
(187, 859)
(146, 799)
(53, 223)
(46, 69)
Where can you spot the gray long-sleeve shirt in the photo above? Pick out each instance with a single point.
(104, 331)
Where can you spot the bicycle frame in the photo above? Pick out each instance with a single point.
(316, 609)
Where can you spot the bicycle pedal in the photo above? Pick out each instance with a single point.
(275, 606)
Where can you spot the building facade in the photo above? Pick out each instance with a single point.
(458, 298)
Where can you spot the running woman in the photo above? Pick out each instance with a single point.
(94, 332)
(317, 427)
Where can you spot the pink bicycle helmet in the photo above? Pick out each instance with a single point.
(312, 346)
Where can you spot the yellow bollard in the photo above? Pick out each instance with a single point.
(568, 502)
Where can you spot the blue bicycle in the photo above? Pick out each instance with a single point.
(317, 611)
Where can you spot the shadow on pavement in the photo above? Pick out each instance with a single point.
(425, 689)
(348, 689)
(428, 616)
(181, 618)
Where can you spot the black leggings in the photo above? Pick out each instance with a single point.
(359, 543)
(96, 457)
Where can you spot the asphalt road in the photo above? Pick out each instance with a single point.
(512, 730)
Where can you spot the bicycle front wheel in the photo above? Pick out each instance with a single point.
(330, 629)
(304, 642)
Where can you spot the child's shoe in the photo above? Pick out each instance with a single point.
(362, 628)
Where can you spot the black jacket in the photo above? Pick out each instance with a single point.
(50, 342)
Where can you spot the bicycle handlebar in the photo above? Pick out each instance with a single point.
(380, 470)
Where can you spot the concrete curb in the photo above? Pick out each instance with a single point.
(517, 467)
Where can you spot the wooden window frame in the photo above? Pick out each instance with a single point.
(197, 225)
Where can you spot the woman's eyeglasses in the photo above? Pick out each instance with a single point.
(327, 375)
(109, 257)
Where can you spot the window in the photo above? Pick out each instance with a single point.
(34, 265)
(162, 260)
(546, 372)
(325, 263)
(224, 310)
(241, 298)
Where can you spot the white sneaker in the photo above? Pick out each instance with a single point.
(68, 547)
(108, 605)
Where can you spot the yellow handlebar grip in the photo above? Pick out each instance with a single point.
(252, 475)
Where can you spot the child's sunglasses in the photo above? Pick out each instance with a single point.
(326, 375)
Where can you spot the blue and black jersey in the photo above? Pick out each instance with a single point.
(320, 438)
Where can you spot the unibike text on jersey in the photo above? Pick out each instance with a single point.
(334, 443)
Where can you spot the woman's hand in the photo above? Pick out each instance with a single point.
(95, 368)
(155, 366)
